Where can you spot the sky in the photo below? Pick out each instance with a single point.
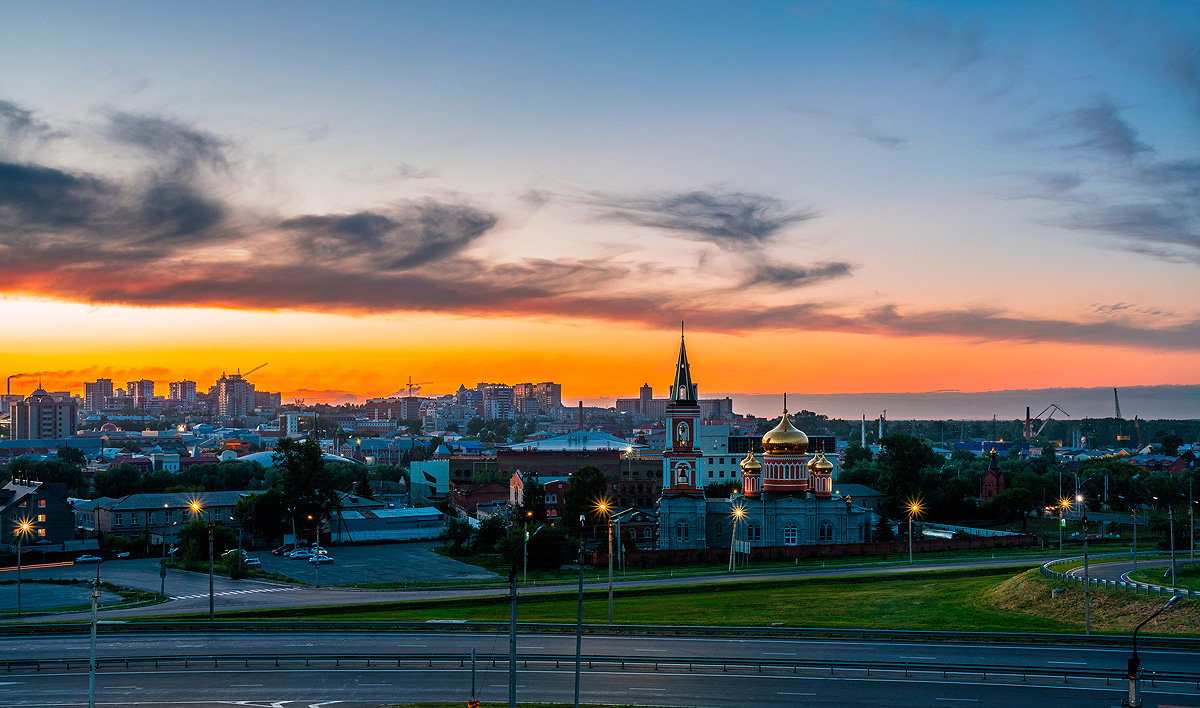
(835, 197)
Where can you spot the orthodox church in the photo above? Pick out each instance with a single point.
(787, 496)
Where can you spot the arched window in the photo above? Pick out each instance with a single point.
(825, 532)
(753, 531)
(682, 530)
(720, 528)
(862, 532)
(790, 536)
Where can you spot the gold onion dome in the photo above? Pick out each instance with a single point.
(785, 437)
(750, 463)
(821, 464)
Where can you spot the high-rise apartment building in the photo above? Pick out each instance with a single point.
(41, 417)
(497, 401)
(96, 393)
(184, 391)
(235, 395)
(548, 395)
(141, 392)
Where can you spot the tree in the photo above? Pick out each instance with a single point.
(855, 456)
(72, 456)
(1169, 444)
(901, 463)
(265, 514)
(587, 486)
(193, 540)
(305, 482)
(533, 503)
(722, 490)
(489, 533)
(457, 534)
(118, 481)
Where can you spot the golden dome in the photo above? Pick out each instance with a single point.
(785, 437)
(750, 463)
(823, 464)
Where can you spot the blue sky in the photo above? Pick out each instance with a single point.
(1021, 175)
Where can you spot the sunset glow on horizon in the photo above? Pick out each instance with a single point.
(835, 198)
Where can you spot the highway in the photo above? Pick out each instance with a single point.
(355, 685)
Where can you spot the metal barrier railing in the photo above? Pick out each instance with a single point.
(1131, 585)
(592, 661)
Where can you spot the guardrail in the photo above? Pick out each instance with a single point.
(774, 632)
(560, 660)
(1131, 585)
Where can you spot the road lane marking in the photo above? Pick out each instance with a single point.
(644, 688)
(784, 653)
(1075, 663)
(655, 650)
(964, 700)
(793, 693)
(927, 658)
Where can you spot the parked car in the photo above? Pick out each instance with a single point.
(252, 561)
(319, 549)
(286, 548)
(87, 559)
(320, 558)
(121, 554)
(298, 554)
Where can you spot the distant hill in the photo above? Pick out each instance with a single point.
(1147, 402)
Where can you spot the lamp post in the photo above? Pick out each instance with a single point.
(603, 507)
(1171, 522)
(1134, 664)
(92, 651)
(1063, 505)
(23, 527)
(1133, 513)
(738, 513)
(1087, 580)
(914, 508)
(579, 614)
(197, 509)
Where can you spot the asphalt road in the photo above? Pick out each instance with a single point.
(360, 687)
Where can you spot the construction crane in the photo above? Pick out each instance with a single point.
(1121, 436)
(415, 385)
(254, 369)
(1051, 408)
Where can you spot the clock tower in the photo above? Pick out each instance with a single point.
(681, 458)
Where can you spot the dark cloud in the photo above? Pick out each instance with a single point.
(33, 197)
(730, 220)
(1164, 230)
(407, 236)
(789, 276)
(1125, 308)
(1100, 128)
(180, 150)
(20, 129)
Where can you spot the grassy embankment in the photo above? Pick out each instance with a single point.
(995, 600)
(1186, 576)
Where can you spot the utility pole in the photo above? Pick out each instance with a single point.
(579, 614)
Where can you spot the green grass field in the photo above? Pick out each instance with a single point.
(1186, 576)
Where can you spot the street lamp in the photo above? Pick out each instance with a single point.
(1087, 580)
(1134, 664)
(579, 614)
(603, 507)
(738, 513)
(914, 509)
(1133, 513)
(1063, 505)
(197, 510)
(23, 527)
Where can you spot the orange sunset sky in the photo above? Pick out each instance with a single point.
(836, 198)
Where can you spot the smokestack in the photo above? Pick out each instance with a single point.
(581, 415)
(1028, 424)
(864, 430)
(882, 416)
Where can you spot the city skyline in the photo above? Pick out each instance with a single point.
(838, 199)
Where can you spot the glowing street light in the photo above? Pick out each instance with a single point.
(738, 512)
(914, 510)
(23, 527)
(198, 510)
(603, 507)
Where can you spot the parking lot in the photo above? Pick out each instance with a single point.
(381, 563)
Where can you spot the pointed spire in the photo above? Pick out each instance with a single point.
(683, 390)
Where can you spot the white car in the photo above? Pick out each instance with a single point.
(298, 554)
(251, 561)
(87, 559)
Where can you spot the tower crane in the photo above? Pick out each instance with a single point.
(1051, 408)
(415, 385)
(255, 369)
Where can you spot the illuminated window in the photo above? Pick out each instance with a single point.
(41, 503)
(41, 518)
(42, 533)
